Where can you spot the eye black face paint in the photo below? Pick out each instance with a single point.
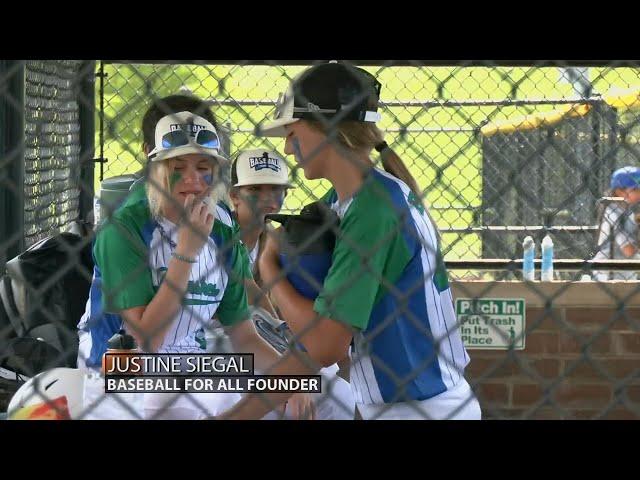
(252, 199)
(173, 179)
(279, 197)
(296, 149)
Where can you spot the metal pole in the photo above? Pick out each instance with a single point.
(101, 75)
(504, 264)
(87, 110)
(12, 85)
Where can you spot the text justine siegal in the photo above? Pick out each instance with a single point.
(182, 364)
(197, 373)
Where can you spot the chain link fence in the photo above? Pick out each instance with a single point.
(498, 153)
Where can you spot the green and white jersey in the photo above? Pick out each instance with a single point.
(388, 280)
(132, 254)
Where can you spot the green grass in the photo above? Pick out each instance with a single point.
(446, 164)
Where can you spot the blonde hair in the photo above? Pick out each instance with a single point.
(360, 136)
(158, 185)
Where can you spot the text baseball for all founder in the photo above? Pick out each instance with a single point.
(244, 384)
(205, 373)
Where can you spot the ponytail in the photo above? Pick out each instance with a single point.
(394, 165)
(362, 137)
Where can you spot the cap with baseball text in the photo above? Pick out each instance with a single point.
(183, 133)
(259, 167)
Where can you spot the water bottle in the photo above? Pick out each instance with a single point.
(547, 259)
(528, 269)
(120, 345)
(96, 211)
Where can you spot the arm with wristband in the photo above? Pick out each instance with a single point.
(148, 315)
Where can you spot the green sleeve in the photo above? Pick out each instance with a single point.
(234, 307)
(122, 258)
(369, 249)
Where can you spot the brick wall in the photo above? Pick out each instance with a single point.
(581, 358)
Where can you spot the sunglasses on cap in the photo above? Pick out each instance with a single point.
(283, 98)
(178, 138)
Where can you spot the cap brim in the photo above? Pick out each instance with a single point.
(284, 218)
(256, 181)
(275, 128)
(164, 154)
(281, 218)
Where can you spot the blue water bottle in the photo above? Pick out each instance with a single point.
(528, 268)
(546, 274)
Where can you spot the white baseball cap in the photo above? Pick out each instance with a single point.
(259, 167)
(183, 133)
(284, 116)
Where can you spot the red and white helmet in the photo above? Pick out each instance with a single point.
(55, 394)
